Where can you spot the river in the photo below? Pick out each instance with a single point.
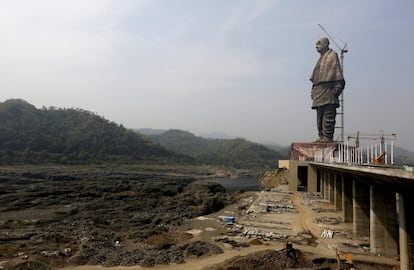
(234, 184)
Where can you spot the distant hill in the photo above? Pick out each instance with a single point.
(283, 150)
(403, 156)
(149, 131)
(30, 135)
(238, 153)
(217, 135)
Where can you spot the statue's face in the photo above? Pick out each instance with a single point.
(321, 45)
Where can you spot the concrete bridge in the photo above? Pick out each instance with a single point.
(378, 201)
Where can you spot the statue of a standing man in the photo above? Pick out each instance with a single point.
(327, 84)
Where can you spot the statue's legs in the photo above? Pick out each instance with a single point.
(326, 122)
(319, 122)
(329, 121)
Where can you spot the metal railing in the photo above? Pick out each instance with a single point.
(361, 149)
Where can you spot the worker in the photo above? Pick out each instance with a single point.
(327, 84)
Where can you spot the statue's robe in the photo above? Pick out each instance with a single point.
(328, 80)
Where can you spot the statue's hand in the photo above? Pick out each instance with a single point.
(338, 91)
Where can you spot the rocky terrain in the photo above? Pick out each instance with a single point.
(99, 216)
(274, 178)
(87, 218)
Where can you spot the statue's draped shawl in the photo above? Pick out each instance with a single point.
(327, 69)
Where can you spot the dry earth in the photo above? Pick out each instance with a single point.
(266, 221)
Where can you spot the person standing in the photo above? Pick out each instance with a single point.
(327, 85)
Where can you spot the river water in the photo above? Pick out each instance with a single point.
(234, 184)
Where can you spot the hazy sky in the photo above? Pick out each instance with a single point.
(239, 67)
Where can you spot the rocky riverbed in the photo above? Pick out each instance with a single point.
(85, 218)
(100, 216)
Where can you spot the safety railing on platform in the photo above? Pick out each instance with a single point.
(361, 149)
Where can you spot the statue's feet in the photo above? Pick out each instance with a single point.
(318, 140)
(325, 140)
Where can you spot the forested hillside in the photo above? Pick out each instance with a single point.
(31, 135)
(238, 153)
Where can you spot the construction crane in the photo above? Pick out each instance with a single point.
(380, 159)
(344, 260)
(343, 50)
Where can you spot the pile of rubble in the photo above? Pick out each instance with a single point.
(260, 232)
(312, 196)
(264, 235)
(327, 220)
(277, 207)
(266, 259)
(321, 210)
(304, 237)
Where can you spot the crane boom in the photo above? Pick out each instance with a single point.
(336, 44)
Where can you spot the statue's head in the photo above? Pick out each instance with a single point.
(322, 44)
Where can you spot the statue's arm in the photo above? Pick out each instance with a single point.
(338, 87)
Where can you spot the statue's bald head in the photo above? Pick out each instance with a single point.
(324, 41)
(322, 45)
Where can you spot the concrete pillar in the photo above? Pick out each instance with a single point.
(312, 179)
(320, 183)
(360, 201)
(332, 187)
(406, 230)
(328, 185)
(293, 175)
(347, 205)
(405, 263)
(383, 221)
(325, 184)
(338, 191)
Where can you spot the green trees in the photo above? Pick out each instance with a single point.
(68, 136)
(30, 135)
(237, 153)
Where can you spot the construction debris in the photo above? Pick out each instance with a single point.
(327, 220)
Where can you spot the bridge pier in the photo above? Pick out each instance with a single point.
(367, 197)
(331, 187)
(312, 179)
(338, 191)
(347, 208)
(320, 180)
(406, 230)
(383, 221)
(360, 203)
(302, 176)
(326, 185)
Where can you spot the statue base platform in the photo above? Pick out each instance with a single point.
(313, 151)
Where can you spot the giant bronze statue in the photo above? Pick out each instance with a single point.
(327, 84)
